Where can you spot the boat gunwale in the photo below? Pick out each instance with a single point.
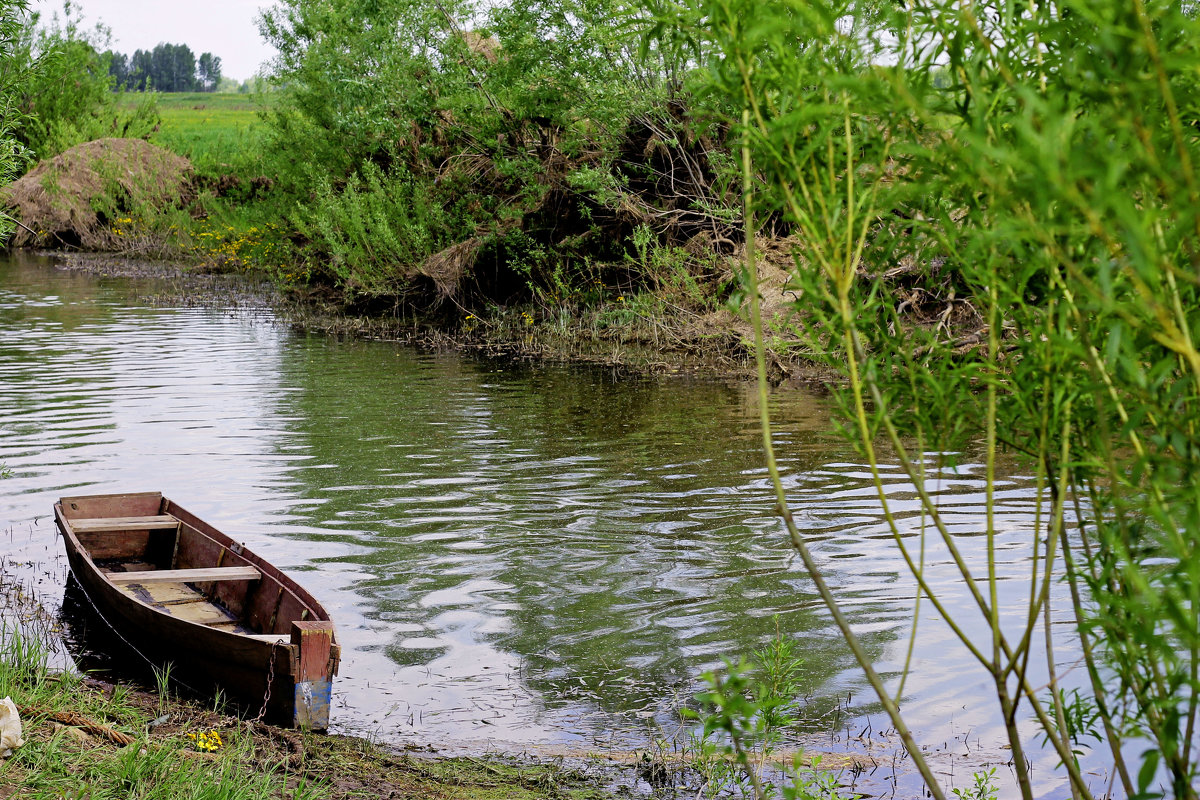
(269, 572)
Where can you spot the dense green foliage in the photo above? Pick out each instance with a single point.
(14, 71)
(166, 68)
(68, 99)
(997, 208)
(506, 148)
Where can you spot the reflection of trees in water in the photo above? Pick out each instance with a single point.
(611, 532)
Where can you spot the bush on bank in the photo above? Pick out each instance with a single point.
(490, 154)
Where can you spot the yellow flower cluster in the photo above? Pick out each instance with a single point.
(253, 247)
(122, 225)
(207, 742)
(229, 246)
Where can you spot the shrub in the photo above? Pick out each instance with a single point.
(1027, 172)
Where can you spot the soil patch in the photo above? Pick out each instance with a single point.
(89, 196)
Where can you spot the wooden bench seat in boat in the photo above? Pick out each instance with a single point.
(102, 524)
(187, 575)
(183, 601)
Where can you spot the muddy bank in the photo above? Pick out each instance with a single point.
(716, 345)
(175, 283)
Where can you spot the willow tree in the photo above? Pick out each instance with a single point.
(1026, 172)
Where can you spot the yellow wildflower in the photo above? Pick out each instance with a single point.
(209, 742)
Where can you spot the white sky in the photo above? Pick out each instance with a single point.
(225, 28)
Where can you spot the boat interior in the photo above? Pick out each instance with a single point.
(181, 566)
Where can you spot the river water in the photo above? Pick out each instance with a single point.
(519, 558)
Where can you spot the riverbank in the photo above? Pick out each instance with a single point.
(586, 274)
(631, 340)
(616, 291)
(83, 736)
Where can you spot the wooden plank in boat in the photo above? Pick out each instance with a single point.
(113, 505)
(163, 594)
(269, 637)
(203, 613)
(131, 566)
(130, 544)
(187, 575)
(102, 524)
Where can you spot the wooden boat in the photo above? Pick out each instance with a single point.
(180, 591)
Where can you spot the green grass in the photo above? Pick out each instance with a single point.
(59, 761)
(219, 133)
(191, 752)
(232, 224)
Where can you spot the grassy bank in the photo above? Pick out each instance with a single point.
(650, 307)
(86, 738)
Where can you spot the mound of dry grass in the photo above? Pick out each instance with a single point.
(76, 198)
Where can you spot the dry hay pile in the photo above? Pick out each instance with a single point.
(73, 199)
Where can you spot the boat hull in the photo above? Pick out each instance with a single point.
(287, 680)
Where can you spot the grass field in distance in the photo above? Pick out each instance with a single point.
(217, 132)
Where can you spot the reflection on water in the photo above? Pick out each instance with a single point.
(519, 555)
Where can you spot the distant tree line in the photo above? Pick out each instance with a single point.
(166, 68)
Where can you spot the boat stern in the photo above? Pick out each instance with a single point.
(315, 662)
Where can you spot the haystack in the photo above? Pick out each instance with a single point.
(75, 198)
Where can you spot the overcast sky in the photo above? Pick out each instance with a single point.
(225, 28)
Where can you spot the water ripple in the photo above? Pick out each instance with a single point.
(530, 553)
